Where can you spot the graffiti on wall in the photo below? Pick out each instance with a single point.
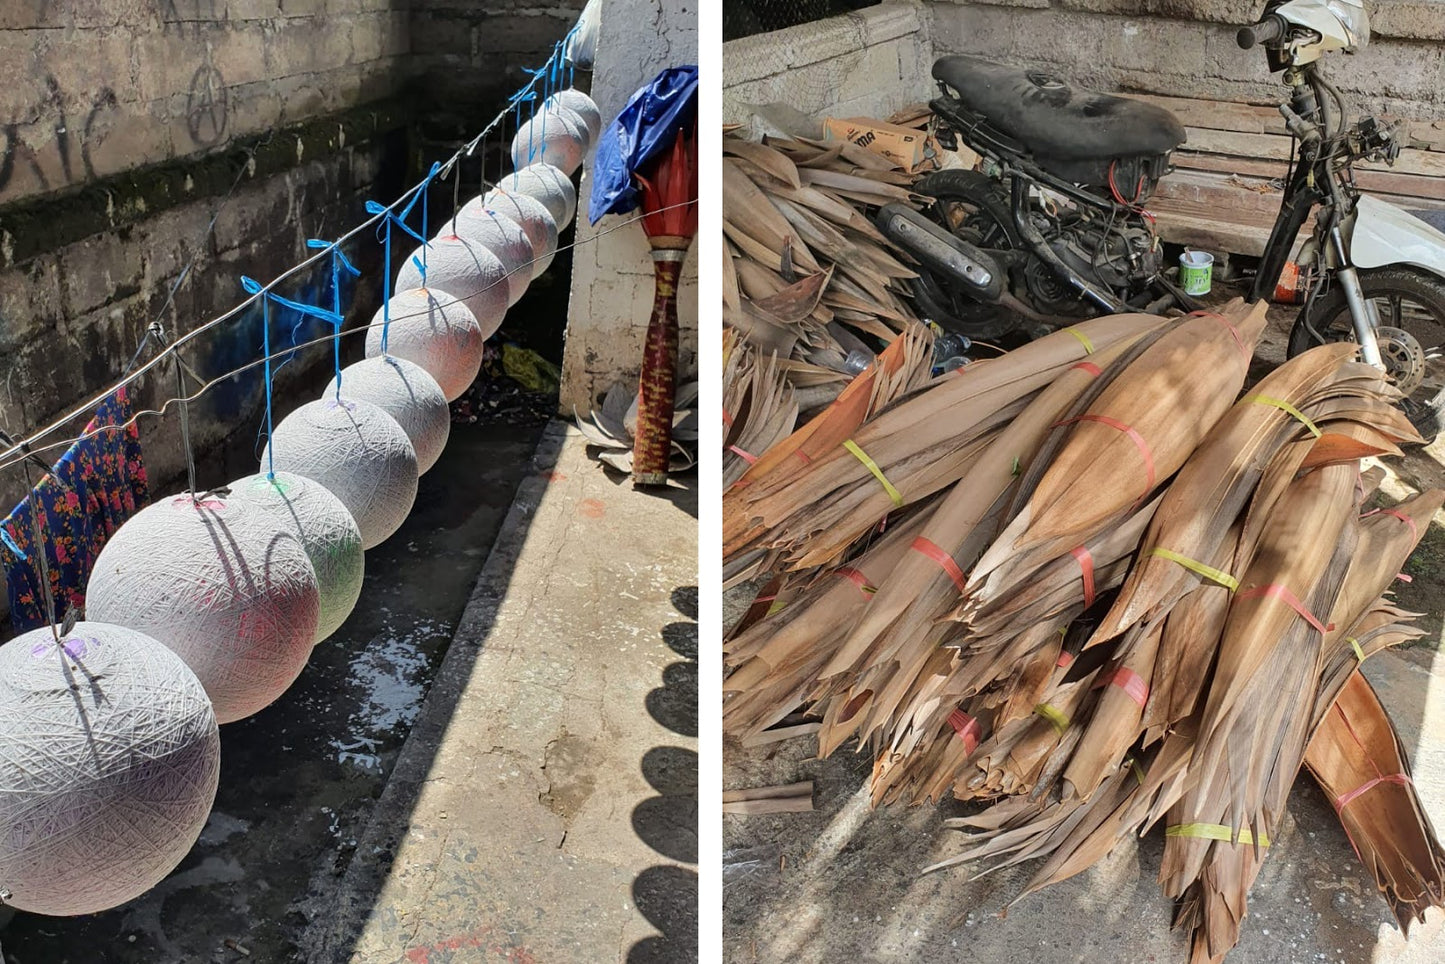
(72, 144)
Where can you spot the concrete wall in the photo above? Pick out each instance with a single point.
(91, 88)
(467, 53)
(869, 63)
(612, 280)
(1186, 48)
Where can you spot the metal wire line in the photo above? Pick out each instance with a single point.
(26, 444)
(22, 451)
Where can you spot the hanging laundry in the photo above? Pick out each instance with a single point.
(99, 483)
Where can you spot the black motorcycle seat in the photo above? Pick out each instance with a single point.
(1055, 120)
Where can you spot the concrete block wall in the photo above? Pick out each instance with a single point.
(467, 54)
(612, 278)
(92, 88)
(868, 63)
(1186, 48)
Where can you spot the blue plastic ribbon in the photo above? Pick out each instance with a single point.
(254, 287)
(390, 218)
(338, 264)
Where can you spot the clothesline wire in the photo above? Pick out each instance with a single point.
(28, 442)
(18, 453)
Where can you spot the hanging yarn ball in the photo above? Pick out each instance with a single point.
(499, 234)
(463, 269)
(214, 579)
(548, 185)
(437, 332)
(581, 105)
(557, 137)
(358, 452)
(534, 219)
(109, 758)
(403, 390)
(332, 540)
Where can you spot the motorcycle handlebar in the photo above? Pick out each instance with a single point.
(1266, 31)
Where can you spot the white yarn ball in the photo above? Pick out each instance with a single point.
(548, 185)
(466, 270)
(328, 533)
(358, 452)
(499, 234)
(222, 586)
(581, 105)
(403, 390)
(557, 137)
(437, 332)
(534, 219)
(109, 758)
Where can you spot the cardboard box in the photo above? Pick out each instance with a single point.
(902, 145)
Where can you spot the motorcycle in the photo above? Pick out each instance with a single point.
(1052, 226)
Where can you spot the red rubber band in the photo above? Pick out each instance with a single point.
(1128, 430)
(1228, 324)
(803, 455)
(1283, 594)
(1131, 683)
(1065, 660)
(1344, 799)
(747, 457)
(944, 560)
(1404, 577)
(967, 729)
(727, 418)
(1414, 529)
(856, 577)
(1089, 367)
(1086, 567)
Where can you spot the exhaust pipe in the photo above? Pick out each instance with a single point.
(941, 252)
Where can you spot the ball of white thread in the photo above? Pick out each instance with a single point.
(556, 136)
(328, 533)
(214, 579)
(436, 331)
(358, 452)
(548, 185)
(463, 269)
(405, 391)
(581, 105)
(534, 218)
(500, 234)
(109, 758)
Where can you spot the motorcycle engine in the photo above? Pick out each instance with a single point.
(1114, 257)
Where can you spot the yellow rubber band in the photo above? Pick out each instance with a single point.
(1083, 340)
(777, 604)
(872, 466)
(1054, 715)
(1195, 566)
(1214, 831)
(1284, 406)
(1133, 764)
(1359, 653)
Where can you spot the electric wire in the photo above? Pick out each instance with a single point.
(22, 451)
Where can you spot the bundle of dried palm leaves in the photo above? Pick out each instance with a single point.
(808, 281)
(1096, 583)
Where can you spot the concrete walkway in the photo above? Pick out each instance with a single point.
(545, 805)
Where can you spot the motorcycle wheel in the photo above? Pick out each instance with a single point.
(1411, 306)
(973, 207)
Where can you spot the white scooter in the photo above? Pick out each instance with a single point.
(1371, 272)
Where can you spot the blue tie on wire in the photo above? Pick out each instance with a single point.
(338, 264)
(254, 287)
(388, 218)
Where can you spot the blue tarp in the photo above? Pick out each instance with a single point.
(647, 126)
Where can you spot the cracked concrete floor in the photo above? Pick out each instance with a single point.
(545, 807)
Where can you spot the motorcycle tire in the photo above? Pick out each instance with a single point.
(1329, 315)
(994, 228)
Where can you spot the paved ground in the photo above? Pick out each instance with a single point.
(842, 884)
(545, 806)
